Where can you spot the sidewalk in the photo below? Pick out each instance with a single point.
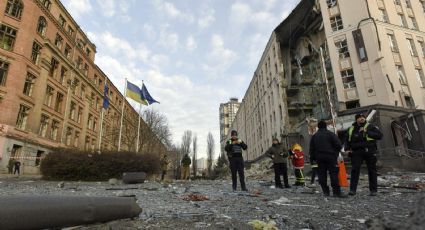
(19, 177)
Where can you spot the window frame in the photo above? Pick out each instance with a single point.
(41, 26)
(336, 23)
(29, 84)
(345, 75)
(4, 68)
(23, 113)
(14, 8)
(10, 33)
(35, 52)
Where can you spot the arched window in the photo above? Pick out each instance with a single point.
(14, 8)
(41, 26)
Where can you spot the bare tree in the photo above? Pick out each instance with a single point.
(186, 142)
(210, 151)
(158, 123)
(194, 157)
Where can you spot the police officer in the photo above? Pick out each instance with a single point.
(278, 153)
(234, 148)
(361, 146)
(324, 149)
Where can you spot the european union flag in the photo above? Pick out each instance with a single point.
(146, 96)
(106, 97)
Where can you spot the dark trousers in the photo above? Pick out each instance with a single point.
(299, 177)
(328, 164)
(313, 174)
(237, 167)
(163, 174)
(280, 169)
(17, 170)
(357, 159)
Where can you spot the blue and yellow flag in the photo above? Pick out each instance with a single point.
(146, 96)
(134, 92)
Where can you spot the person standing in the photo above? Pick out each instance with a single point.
(314, 168)
(298, 164)
(234, 148)
(278, 153)
(361, 146)
(17, 168)
(186, 162)
(324, 149)
(164, 166)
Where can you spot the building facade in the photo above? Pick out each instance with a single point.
(227, 114)
(51, 91)
(330, 56)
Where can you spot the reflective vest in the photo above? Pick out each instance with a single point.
(350, 133)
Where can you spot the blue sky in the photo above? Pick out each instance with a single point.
(191, 54)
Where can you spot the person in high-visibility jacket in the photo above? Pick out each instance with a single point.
(297, 157)
(361, 146)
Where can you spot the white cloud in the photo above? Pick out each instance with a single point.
(207, 18)
(191, 43)
(78, 8)
(172, 11)
(149, 31)
(169, 40)
(242, 15)
(107, 7)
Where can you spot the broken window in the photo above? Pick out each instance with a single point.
(87, 143)
(62, 78)
(44, 123)
(336, 23)
(62, 21)
(72, 110)
(35, 54)
(58, 41)
(401, 76)
(342, 48)
(29, 84)
(86, 69)
(76, 139)
(68, 135)
(49, 95)
(7, 37)
(331, 3)
(409, 102)
(88, 52)
(70, 31)
(397, 2)
(41, 26)
(58, 102)
(46, 3)
(82, 91)
(383, 15)
(79, 62)
(402, 20)
(421, 77)
(348, 79)
(80, 114)
(423, 5)
(413, 23)
(38, 157)
(21, 121)
(412, 47)
(408, 4)
(393, 43)
(4, 67)
(14, 8)
(352, 104)
(54, 64)
(54, 130)
(90, 122)
(422, 45)
(67, 51)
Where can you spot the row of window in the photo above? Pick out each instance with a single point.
(401, 16)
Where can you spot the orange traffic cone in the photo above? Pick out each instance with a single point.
(342, 174)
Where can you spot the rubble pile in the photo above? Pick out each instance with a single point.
(260, 170)
(164, 206)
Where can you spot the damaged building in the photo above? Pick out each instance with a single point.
(334, 58)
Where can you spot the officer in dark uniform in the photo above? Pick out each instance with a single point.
(234, 148)
(361, 146)
(324, 149)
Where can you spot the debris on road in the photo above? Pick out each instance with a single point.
(261, 225)
(195, 197)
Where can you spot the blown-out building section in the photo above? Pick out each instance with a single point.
(334, 56)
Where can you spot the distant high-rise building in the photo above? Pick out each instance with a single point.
(227, 115)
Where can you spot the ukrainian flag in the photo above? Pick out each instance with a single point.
(134, 92)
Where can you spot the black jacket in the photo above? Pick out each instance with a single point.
(235, 150)
(358, 140)
(324, 143)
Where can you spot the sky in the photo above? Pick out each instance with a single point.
(191, 54)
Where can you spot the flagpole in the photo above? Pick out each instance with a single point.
(122, 115)
(138, 129)
(101, 128)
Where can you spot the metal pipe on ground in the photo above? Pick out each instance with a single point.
(41, 212)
